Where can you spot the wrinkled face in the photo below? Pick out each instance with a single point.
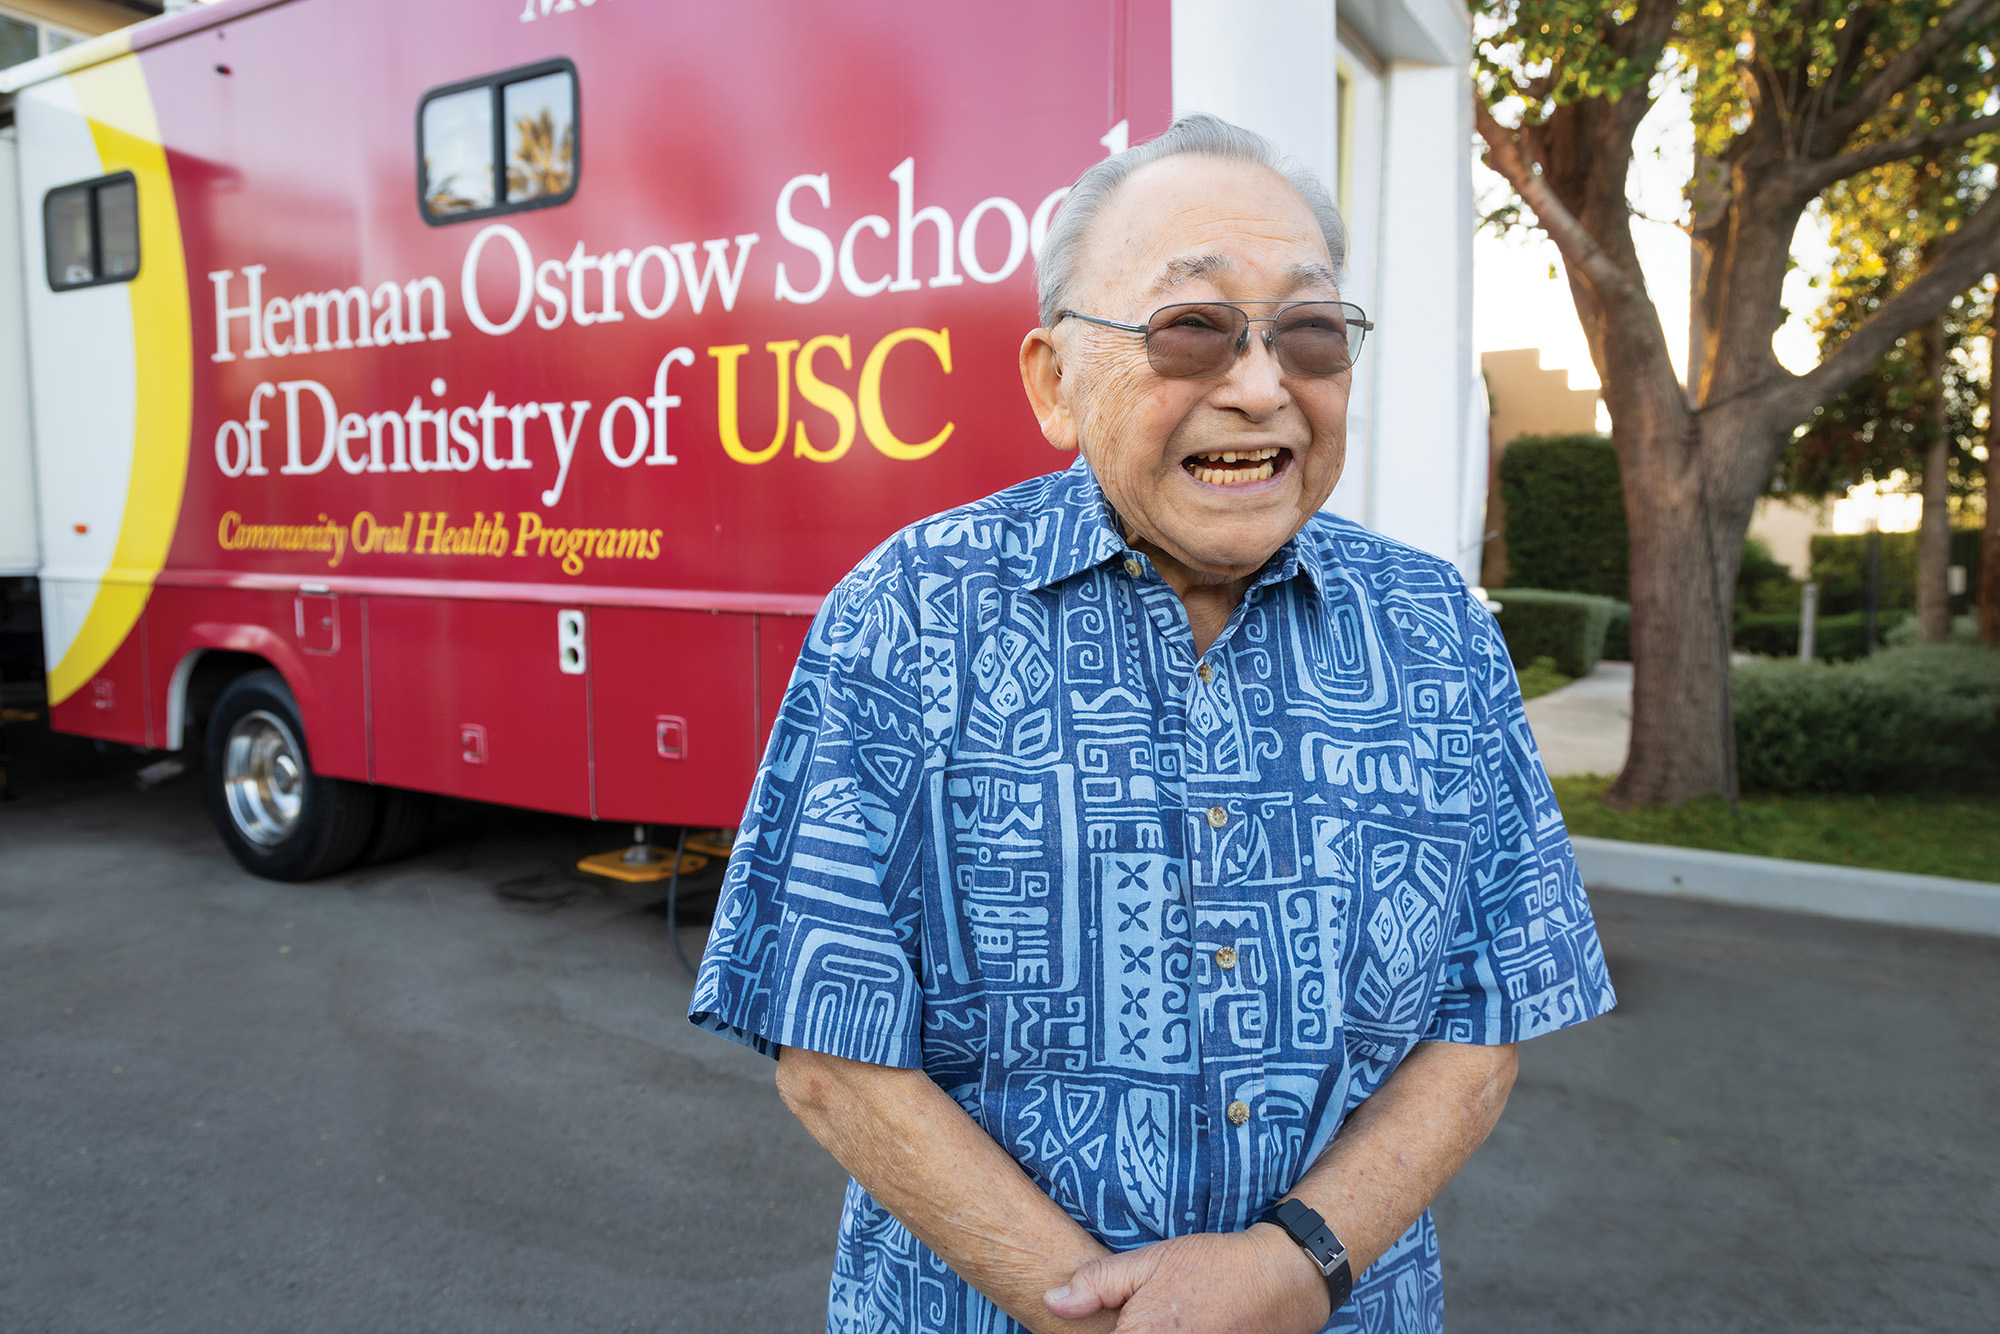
(1214, 473)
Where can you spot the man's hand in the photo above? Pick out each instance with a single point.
(1254, 1282)
(1395, 1153)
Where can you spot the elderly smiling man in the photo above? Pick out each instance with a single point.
(1150, 873)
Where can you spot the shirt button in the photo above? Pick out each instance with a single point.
(1226, 957)
(1132, 567)
(1238, 1112)
(1217, 817)
(1207, 674)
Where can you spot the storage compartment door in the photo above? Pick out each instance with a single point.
(487, 700)
(673, 698)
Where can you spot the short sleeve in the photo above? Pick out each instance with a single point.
(1524, 957)
(815, 942)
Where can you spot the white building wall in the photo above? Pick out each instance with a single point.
(1416, 466)
(1267, 66)
(1428, 485)
(20, 547)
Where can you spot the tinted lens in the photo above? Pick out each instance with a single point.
(1314, 338)
(1200, 338)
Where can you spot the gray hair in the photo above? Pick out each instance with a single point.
(1200, 135)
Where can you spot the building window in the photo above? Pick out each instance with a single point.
(524, 121)
(92, 232)
(22, 39)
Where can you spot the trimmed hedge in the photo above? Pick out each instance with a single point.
(1618, 635)
(1568, 628)
(1565, 524)
(1840, 567)
(1926, 716)
(1835, 638)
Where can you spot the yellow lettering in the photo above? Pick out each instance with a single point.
(727, 420)
(873, 424)
(569, 547)
(531, 526)
(225, 532)
(826, 398)
(434, 532)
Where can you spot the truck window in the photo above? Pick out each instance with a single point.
(521, 121)
(92, 232)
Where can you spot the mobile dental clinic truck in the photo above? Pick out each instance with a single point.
(478, 399)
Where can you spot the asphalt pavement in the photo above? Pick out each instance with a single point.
(458, 1094)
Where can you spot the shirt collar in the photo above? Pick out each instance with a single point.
(1084, 535)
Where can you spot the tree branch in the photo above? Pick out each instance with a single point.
(1904, 70)
(1819, 175)
(1847, 55)
(1579, 248)
(1972, 252)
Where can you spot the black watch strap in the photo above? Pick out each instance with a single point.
(1309, 1230)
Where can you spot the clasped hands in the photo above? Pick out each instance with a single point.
(1254, 1282)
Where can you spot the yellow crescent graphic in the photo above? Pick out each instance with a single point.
(119, 110)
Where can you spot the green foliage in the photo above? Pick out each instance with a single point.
(1906, 719)
(1886, 422)
(1887, 225)
(1933, 833)
(1565, 515)
(1840, 568)
(1964, 630)
(1835, 638)
(1540, 677)
(1544, 54)
(1618, 634)
(1566, 628)
(1763, 582)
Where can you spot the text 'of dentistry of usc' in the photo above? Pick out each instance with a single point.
(296, 427)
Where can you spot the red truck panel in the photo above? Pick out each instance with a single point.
(672, 719)
(778, 319)
(470, 698)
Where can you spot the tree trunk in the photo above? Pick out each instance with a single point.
(1681, 743)
(1934, 534)
(1686, 529)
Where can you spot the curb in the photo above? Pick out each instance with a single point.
(1856, 893)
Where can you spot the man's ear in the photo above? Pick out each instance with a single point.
(1048, 395)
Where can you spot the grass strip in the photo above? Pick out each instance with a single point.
(1540, 677)
(1921, 833)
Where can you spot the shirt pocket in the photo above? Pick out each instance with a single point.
(1400, 885)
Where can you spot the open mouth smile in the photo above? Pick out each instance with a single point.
(1236, 467)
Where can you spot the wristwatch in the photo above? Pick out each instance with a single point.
(1316, 1239)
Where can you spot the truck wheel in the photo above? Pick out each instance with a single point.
(402, 820)
(281, 820)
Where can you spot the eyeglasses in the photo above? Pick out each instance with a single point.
(1194, 339)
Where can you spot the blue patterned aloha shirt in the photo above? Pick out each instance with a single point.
(1111, 894)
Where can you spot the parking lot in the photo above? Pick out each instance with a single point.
(458, 1093)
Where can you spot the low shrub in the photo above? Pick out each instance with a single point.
(1835, 638)
(1763, 582)
(1964, 630)
(1618, 634)
(1567, 628)
(1925, 716)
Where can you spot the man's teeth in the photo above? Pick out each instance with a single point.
(1263, 459)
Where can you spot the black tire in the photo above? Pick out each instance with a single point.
(402, 822)
(277, 817)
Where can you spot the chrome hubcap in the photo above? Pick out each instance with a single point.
(263, 775)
